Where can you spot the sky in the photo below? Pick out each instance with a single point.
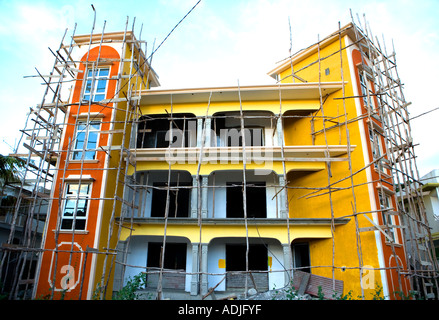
(220, 43)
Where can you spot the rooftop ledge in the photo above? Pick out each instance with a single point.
(291, 153)
(288, 91)
(241, 221)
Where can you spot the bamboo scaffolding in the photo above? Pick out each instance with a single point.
(386, 104)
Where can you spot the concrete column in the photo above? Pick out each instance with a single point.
(199, 131)
(204, 195)
(283, 198)
(207, 141)
(194, 197)
(288, 260)
(280, 131)
(195, 264)
(204, 284)
(118, 268)
(133, 135)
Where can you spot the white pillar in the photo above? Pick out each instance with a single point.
(280, 131)
(283, 198)
(207, 142)
(195, 264)
(288, 260)
(204, 284)
(204, 195)
(199, 131)
(194, 197)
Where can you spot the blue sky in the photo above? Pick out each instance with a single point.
(219, 43)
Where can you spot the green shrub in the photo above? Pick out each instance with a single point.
(128, 292)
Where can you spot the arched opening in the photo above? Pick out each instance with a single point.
(258, 129)
(154, 131)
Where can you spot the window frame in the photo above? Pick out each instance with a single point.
(385, 201)
(235, 202)
(92, 92)
(75, 198)
(77, 152)
(366, 88)
(376, 146)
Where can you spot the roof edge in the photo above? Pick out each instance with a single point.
(244, 88)
(306, 52)
(118, 36)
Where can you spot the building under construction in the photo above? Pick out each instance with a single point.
(308, 182)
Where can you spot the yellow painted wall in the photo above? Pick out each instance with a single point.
(200, 109)
(298, 132)
(212, 231)
(113, 179)
(309, 174)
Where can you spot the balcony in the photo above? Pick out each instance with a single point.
(219, 139)
(257, 154)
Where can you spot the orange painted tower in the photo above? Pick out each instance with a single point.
(97, 127)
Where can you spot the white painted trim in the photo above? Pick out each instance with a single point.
(92, 274)
(363, 136)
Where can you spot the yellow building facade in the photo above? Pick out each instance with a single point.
(219, 190)
(240, 187)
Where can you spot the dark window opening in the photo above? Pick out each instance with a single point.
(175, 255)
(179, 200)
(152, 131)
(236, 261)
(253, 137)
(301, 256)
(231, 135)
(256, 200)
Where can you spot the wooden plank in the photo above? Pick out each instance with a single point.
(365, 229)
(304, 283)
(426, 263)
(112, 131)
(39, 154)
(379, 228)
(315, 282)
(26, 281)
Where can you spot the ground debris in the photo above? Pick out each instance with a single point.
(286, 293)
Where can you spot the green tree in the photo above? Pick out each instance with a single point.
(128, 292)
(9, 172)
(10, 169)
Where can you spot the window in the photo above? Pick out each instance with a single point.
(175, 255)
(232, 137)
(256, 200)
(253, 137)
(386, 204)
(154, 131)
(365, 88)
(179, 200)
(236, 261)
(301, 256)
(96, 86)
(375, 143)
(76, 198)
(228, 133)
(86, 140)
